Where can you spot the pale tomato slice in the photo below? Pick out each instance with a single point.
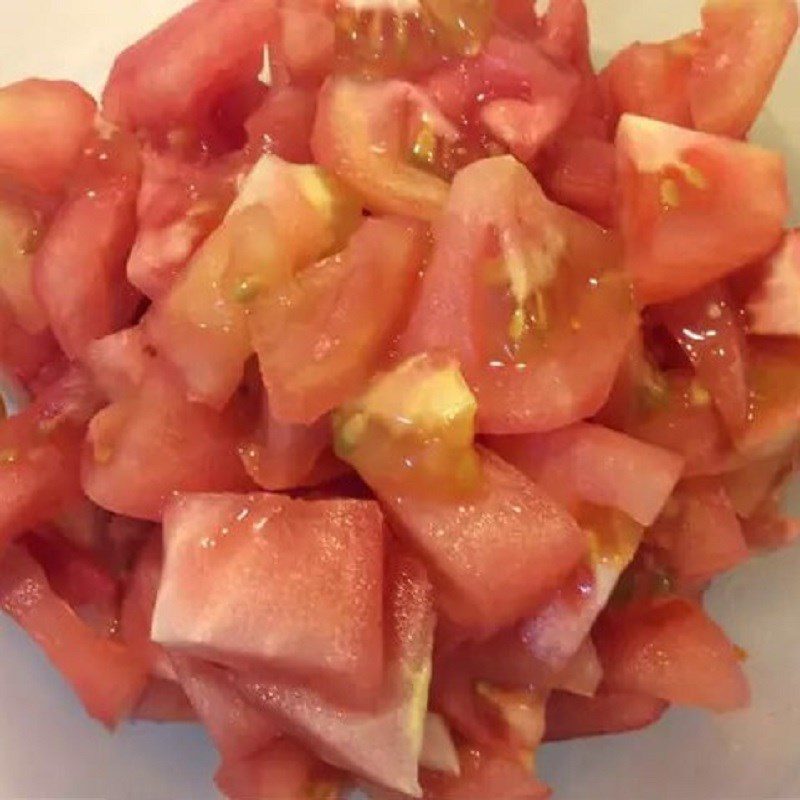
(694, 207)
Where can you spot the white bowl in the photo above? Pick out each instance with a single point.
(49, 749)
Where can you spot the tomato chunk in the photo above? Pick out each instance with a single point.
(773, 308)
(144, 447)
(668, 648)
(744, 44)
(320, 336)
(43, 126)
(106, 676)
(39, 447)
(700, 531)
(174, 75)
(523, 292)
(118, 362)
(80, 264)
(382, 743)
(237, 728)
(694, 207)
(493, 554)
(337, 547)
(590, 463)
(360, 135)
(573, 717)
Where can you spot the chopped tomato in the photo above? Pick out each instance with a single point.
(237, 728)
(136, 616)
(282, 124)
(528, 296)
(590, 463)
(651, 80)
(572, 717)
(284, 217)
(173, 77)
(106, 676)
(694, 207)
(179, 204)
(20, 228)
(320, 335)
(668, 648)
(580, 173)
(118, 362)
(163, 701)
(744, 43)
(750, 485)
(769, 528)
(494, 553)
(334, 551)
(80, 264)
(305, 48)
(283, 455)
(361, 135)
(282, 771)
(485, 774)
(39, 454)
(700, 531)
(382, 743)
(144, 447)
(43, 126)
(74, 573)
(709, 329)
(773, 308)
(23, 355)
(584, 673)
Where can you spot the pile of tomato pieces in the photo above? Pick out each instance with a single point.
(387, 403)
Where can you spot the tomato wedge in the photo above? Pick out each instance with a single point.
(105, 674)
(43, 126)
(590, 463)
(174, 75)
(528, 296)
(361, 135)
(773, 308)
(744, 44)
(710, 330)
(668, 648)
(694, 207)
(320, 336)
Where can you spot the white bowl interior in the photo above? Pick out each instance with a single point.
(49, 749)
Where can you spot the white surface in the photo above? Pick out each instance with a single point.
(48, 749)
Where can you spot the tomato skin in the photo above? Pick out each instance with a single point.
(685, 229)
(81, 262)
(572, 717)
(744, 45)
(668, 648)
(106, 676)
(43, 126)
(163, 701)
(320, 336)
(590, 463)
(173, 76)
(142, 448)
(709, 328)
(483, 568)
(359, 135)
